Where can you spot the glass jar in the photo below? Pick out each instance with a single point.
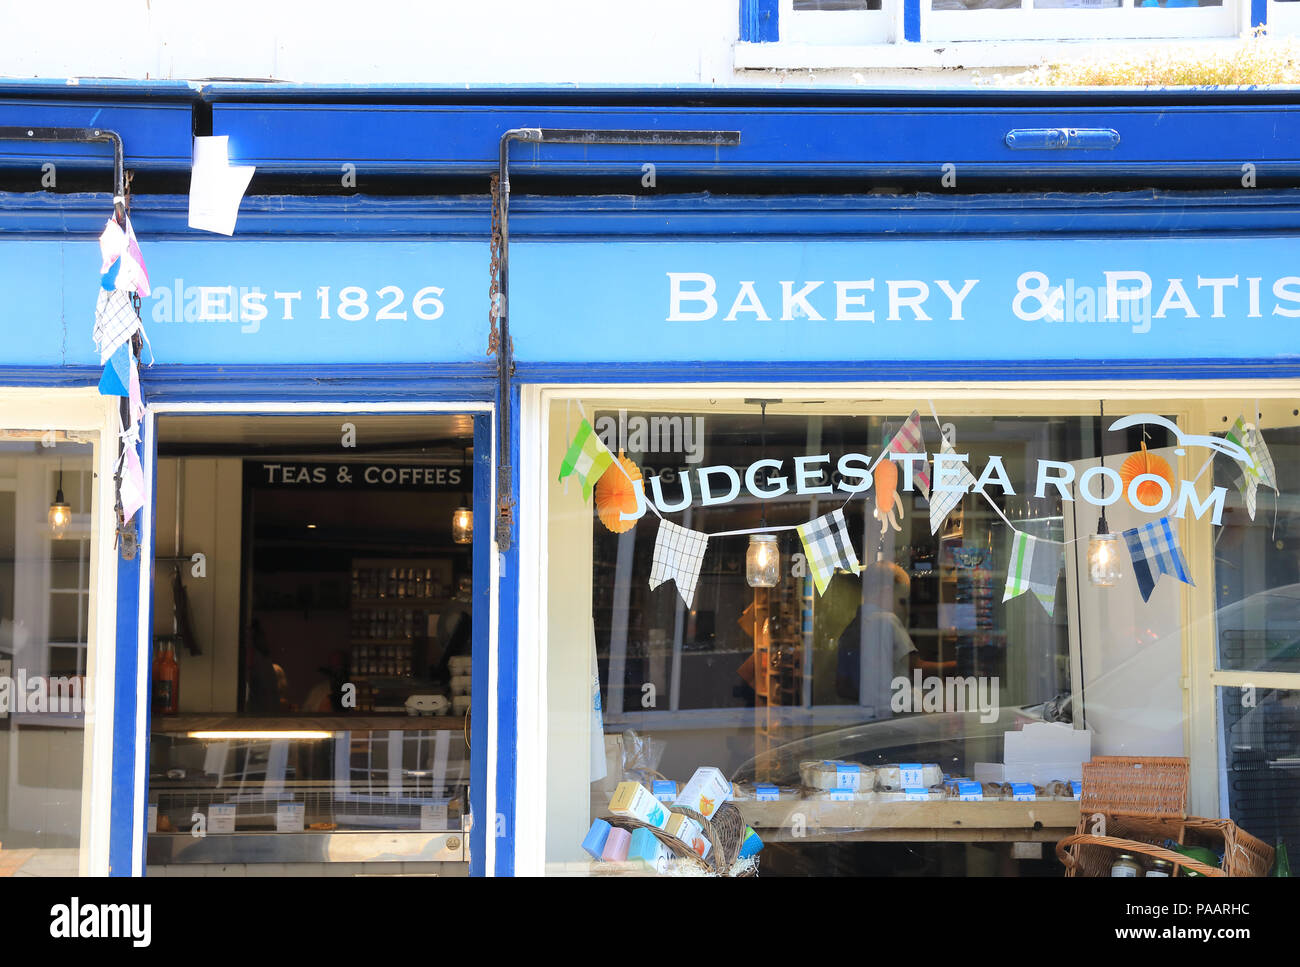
(1161, 868)
(1125, 864)
(762, 561)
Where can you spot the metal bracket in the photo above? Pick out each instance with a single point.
(79, 136)
(502, 345)
(1062, 139)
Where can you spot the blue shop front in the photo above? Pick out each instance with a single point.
(810, 529)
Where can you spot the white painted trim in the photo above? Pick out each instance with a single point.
(1228, 679)
(531, 716)
(494, 614)
(144, 650)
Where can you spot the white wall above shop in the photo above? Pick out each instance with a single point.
(383, 41)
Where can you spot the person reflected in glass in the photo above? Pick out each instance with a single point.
(877, 655)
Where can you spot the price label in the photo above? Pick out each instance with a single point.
(919, 795)
(433, 816)
(1022, 791)
(848, 775)
(221, 818)
(766, 792)
(911, 775)
(289, 817)
(970, 791)
(841, 795)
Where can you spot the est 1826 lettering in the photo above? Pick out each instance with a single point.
(250, 306)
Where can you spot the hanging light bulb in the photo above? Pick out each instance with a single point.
(60, 512)
(762, 561)
(1104, 562)
(1105, 565)
(462, 518)
(462, 526)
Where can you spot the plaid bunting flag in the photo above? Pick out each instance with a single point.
(588, 457)
(678, 555)
(1248, 479)
(1155, 551)
(1035, 566)
(908, 439)
(826, 544)
(943, 501)
(115, 322)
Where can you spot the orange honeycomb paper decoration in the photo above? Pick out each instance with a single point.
(1148, 491)
(615, 495)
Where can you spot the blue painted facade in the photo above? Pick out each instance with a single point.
(591, 274)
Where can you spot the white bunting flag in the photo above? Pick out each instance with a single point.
(679, 553)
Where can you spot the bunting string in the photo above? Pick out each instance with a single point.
(679, 551)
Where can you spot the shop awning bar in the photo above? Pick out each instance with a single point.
(504, 349)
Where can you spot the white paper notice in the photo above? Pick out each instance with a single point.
(152, 821)
(216, 187)
(433, 816)
(221, 819)
(289, 817)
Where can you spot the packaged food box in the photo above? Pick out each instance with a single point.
(646, 851)
(839, 795)
(908, 775)
(836, 774)
(635, 801)
(707, 790)
(689, 832)
(665, 790)
(937, 794)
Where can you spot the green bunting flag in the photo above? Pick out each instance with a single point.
(588, 457)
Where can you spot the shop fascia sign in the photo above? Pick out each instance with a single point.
(1121, 296)
(291, 475)
(1099, 486)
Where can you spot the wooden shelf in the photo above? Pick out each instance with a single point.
(360, 722)
(1045, 821)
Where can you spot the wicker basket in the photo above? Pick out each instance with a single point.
(1143, 803)
(725, 830)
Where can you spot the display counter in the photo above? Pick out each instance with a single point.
(227, 789)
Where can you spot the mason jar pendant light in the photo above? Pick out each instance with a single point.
(1105, 565)
(763, 559)
(462, 518)
(60, 512)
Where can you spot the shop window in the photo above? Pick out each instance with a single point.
(312, 630)
(951, 20)
(847, 23)
(936, 673)
(46, 597)
(837, 21)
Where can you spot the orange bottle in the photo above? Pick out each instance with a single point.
(166, 681)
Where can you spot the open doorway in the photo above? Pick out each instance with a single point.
(313, 617)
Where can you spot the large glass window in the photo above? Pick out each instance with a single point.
(48, 491)
(948, 632)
